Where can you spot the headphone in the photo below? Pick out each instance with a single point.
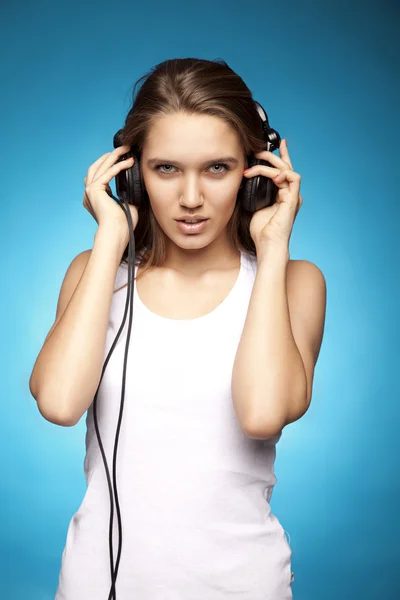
(256, 193)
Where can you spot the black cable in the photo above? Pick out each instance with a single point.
(129, 302)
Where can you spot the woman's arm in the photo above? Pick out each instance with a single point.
(68, 368)
(274, 364)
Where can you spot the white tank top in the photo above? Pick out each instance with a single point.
(193, 489)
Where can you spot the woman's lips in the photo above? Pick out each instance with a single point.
(192, 227)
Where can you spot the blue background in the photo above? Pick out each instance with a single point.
(327, 73)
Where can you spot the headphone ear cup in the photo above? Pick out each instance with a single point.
(128, 182)
(249, 189)
(135, 187)
(248, 194)
(258, 191)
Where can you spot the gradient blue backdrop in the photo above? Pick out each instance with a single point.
(327, 74)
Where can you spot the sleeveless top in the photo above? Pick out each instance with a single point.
(194, 491)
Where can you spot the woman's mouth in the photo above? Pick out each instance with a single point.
(192, 227)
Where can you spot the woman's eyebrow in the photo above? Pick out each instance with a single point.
(221, 159)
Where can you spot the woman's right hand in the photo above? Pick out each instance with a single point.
(102, 207)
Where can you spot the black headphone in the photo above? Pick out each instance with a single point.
(255, 193)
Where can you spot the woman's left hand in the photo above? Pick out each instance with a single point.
(273, 224)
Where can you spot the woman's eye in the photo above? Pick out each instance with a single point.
(223, 165)
(162, 168)
(158, 168)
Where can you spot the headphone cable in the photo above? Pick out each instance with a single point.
(128, 303)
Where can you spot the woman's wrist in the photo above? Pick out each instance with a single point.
(116, 239)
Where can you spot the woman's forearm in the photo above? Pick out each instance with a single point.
(268, 373)
(68, 369)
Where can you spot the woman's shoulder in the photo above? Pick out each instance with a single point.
(305, 267)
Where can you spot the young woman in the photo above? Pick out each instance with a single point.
(225, 337)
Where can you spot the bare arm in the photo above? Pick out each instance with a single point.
(68, 368)
(274, 364)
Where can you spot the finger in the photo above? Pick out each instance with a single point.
(284, 152)
(271, 158)
(93, 167)
(111, 172)
(294, 179)
(290, 176)
(261, 170)
(273, 172)
(282, 161)
(110, 160)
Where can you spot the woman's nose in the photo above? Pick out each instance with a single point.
(191, 194)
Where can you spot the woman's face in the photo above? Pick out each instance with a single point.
(192, 164)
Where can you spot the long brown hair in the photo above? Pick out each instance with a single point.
(194, 86)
